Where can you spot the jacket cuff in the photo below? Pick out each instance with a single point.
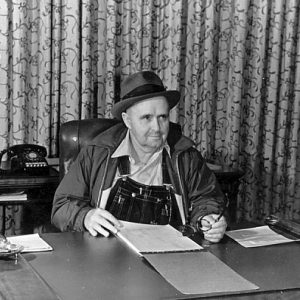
(79, 220)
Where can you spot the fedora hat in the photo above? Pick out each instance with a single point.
(141, 86)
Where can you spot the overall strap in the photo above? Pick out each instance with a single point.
(124, 165)
(165, 171)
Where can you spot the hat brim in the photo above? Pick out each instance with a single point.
(172, 97)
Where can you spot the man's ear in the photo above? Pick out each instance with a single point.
(126, 120)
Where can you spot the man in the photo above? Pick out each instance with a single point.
(140, 170)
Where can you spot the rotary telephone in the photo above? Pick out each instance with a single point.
(25, 159)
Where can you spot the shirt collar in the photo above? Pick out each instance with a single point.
(125, 148)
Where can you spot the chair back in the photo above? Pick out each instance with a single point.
(76, 134)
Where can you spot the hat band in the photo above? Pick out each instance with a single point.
(144, 90)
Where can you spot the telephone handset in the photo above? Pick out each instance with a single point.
(25, 159)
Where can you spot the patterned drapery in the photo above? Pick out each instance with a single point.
(236, 64)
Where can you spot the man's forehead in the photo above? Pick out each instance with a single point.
(155, 103)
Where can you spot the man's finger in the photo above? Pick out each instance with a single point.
(101, 230)
(108, 216)
(92, 231)
(106, 224)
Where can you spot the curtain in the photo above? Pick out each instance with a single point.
(236, 64)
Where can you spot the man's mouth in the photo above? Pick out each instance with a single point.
(155, 136)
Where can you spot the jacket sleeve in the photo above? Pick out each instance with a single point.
(71, 200)
(202, 190)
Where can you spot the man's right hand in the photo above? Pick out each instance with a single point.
(101, 221)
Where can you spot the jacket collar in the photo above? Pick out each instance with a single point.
(175, 139)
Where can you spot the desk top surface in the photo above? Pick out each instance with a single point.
(28, 181)
(82, 266)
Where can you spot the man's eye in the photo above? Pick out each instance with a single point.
(164, 117)
(147, 117)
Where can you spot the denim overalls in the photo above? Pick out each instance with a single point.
(149, 204)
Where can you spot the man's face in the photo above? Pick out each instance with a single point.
(148, 122)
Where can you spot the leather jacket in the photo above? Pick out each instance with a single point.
(94, 171)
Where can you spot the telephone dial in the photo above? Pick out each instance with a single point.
(25, 159)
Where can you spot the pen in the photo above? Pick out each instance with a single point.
(221, 214)
(223, 210)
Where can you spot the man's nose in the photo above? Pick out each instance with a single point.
(155, 124)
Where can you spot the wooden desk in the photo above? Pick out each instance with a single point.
(84, 267)
(40, 189)
(28, 182)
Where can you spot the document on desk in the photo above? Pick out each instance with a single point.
(258, 236)
(147, 238)
(198, 273)
(30, 242)
(17, 196)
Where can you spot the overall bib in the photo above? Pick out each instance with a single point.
(149, 204)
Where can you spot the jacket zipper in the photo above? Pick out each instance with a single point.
(180, 184)
(104, 176)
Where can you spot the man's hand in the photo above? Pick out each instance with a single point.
(101, 221)
(215, 229)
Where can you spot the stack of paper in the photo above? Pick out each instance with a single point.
(257, 237)
(30, 242)
(146, 238)
(18, 196)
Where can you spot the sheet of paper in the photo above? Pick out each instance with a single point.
(257, 237)
(30, 242)
(18, 196)
(146, 238)
(198, 273)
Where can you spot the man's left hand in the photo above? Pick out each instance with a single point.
(217, 230)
